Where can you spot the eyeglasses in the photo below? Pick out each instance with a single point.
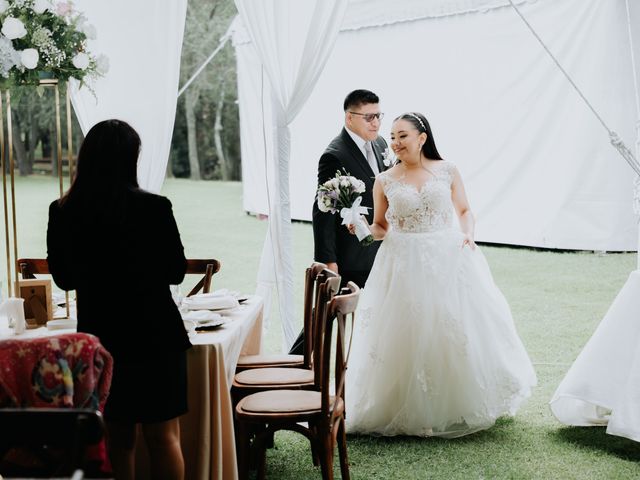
(368, 117)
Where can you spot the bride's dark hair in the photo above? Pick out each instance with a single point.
(419, 121)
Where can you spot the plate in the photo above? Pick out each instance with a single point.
(210, 326)
(61, 324)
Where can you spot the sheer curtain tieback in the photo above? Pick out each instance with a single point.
(371, 158)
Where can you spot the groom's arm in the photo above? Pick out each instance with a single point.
(324, 224)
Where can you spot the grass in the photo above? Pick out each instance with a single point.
(557, 300)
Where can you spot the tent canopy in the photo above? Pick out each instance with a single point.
(537, 165)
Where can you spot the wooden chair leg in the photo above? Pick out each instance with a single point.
(315, 450)
(243, 447)
(261, 454)
(326, 455)
(342, 450)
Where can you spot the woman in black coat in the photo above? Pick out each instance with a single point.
(119, 247)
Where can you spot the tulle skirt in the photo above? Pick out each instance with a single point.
(435, 351)
(602, 387)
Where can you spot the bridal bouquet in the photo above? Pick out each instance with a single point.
(45, 38)
(342, 193)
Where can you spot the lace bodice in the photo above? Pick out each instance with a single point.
(420, 210)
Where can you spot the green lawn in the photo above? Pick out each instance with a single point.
(557, 300)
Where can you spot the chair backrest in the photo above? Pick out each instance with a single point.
(327, 289)
(339, 310)
(30, 267)
(71, 429)
(313, 276)
(206, 266)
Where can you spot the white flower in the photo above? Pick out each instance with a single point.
(3, 6)
(29, 58)
(89, 30)
(386, 157)
(80, 61)
(102, 64)
(13, 28)
(358, 185)
(41, 6)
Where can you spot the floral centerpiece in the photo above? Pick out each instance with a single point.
(44, 38)
(342, 193)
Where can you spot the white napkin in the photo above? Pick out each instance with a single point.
(201, 316)
(210, 301)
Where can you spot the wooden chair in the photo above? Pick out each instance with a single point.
(30, 267)
(55, 440)
(256, 380)
(273, 410)
(314, 276)
(202, 266)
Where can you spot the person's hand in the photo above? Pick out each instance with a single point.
(352, 228)
(333, 267)
(468, 240)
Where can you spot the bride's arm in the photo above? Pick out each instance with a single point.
(380, 225)
(461, 204)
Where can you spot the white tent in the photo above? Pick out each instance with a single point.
(537, 164)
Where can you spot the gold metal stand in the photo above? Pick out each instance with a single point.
(9, 198)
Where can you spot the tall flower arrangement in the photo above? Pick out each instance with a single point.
(44, 37)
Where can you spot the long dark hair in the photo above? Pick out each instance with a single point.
(106, 171)
(419, 121)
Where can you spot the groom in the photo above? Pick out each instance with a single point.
(361, 152)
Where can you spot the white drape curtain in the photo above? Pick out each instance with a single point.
(293, 39)
(143, 46)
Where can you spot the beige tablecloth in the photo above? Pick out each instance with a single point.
(206, 432)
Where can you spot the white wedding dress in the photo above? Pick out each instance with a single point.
(602, 387)
(435, 351)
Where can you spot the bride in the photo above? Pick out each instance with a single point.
(435, 351)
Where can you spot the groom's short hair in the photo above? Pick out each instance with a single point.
(358, 98)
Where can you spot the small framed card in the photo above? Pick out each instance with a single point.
(37, 301)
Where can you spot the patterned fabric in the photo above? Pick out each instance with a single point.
(72, 370)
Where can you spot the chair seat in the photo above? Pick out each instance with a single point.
(274, 376)
(253, 361)
(274, 402)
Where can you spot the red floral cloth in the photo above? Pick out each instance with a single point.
(71, 370)
(62, 371)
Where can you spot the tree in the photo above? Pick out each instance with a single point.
(208, 105)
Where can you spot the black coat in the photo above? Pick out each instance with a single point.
(121, 271)
(332, 240)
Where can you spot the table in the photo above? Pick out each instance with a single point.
(206, 431)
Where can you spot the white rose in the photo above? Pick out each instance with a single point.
(41, 6)
(13, 28)
(3, 6)
(80, 61)
(29, 58)
(102, 64)
(89, 30)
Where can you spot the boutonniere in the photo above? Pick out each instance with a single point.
(387, 158)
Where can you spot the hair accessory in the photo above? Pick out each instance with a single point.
(417, 118)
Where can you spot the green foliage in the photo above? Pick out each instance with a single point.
(214, 92)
